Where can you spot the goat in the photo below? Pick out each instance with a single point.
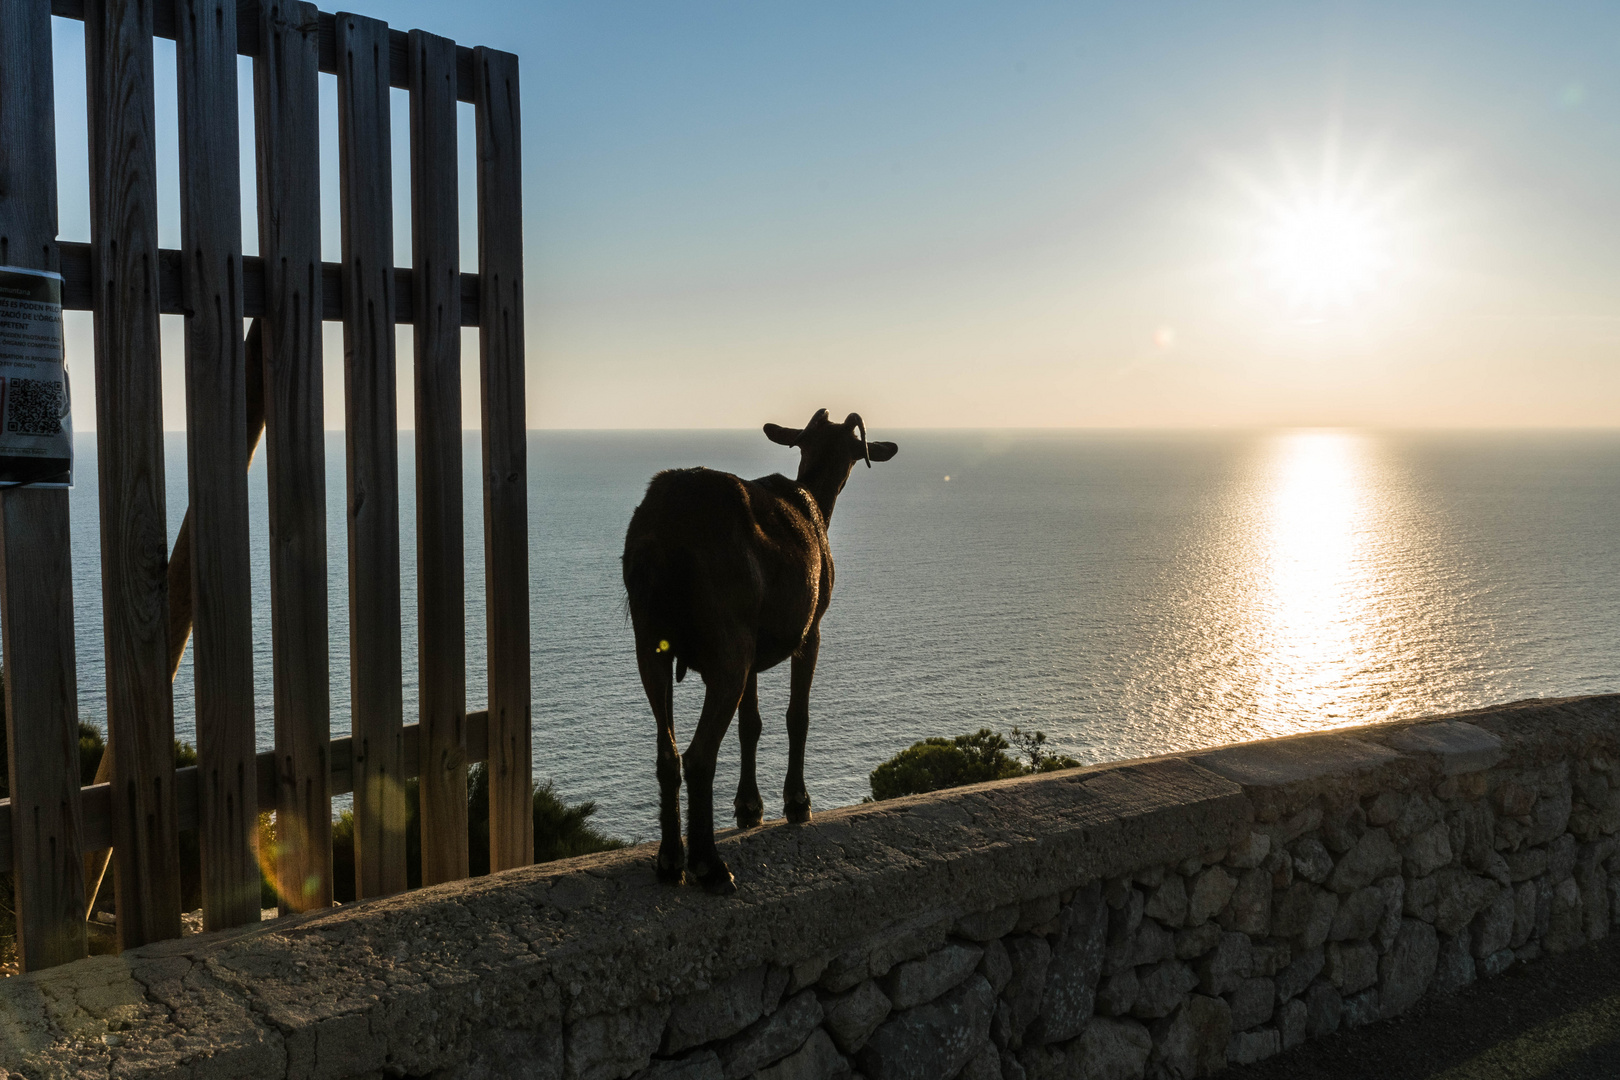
(729, 577)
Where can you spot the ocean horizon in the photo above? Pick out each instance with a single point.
(1126, 592)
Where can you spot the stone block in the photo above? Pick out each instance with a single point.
(1459, 897)
(1428, 851)
(1227, 966)
(1249, 909)
(1271, 957)
(995, 965)
(1292, 1017)
(1211, 890)
(1252, 1003)
(1372, 856)
(1324, 1006)
(1168, 904)
(698, 1065)
(720, 1011)
(1305, 966)
(1160, 989)
(1117, 994)
(1492, 930)
(931, 1041)
(1110, 1050)
(1561, 857)
(817, 1059)
(1405, 971)
(1550, 818)
(1076, 965)
(1514, 799)
(1036, 913)
(1359, 915)
(1304, 914)
(1495, 964)
(1359, 1009)
(1192, 1041)
(1394, 891)
(984, 1065)
(1566, 927)
(1455, 967)
(987, 925)
(1249, 851)
(773, 1038)
(1195, 941)
(1352, 966)
(1248, 1047)
(914, 982)
(1279, 762)
(1030, 957)
(613, 1045)
(1524, 913)
(1461, 747)
(852, 1016)
(1311, 860)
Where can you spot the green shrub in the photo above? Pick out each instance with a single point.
(937, 763)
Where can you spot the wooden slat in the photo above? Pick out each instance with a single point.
(36, 569)
(505, 453)
(441, 600)
(247, 41)
(129, 437)
(96, 799)
(365, 176)
(286, 109)
(216, 458)
(76, 288)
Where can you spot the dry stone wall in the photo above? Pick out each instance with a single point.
(1159, 918)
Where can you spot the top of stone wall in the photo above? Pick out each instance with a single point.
(496, 965)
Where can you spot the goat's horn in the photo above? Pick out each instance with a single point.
(860, 426)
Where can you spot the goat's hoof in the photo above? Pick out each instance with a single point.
(797, 813)
(671, 866)
(750, 812)
(716, 880)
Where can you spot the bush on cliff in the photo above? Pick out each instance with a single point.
(938, 763)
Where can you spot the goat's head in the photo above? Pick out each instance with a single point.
(830, 450)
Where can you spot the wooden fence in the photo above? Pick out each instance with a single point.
(51, 827)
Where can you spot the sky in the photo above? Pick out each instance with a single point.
(1154, 215)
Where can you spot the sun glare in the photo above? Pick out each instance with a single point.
(1321, 254)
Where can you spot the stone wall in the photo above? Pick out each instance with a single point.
(1159, 918)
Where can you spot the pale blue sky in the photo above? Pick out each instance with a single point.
(1009, 214)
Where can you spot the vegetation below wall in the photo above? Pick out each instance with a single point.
(936, 764)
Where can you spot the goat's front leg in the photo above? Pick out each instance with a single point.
(719, 703)
(795, 797)
(749, 807)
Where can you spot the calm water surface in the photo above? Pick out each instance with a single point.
(1128, 594)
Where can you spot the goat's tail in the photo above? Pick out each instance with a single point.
(658, 588)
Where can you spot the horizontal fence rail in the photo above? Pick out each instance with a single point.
(58, 837)
(96, 812)
(78, 278)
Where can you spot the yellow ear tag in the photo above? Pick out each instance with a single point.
(663, 646)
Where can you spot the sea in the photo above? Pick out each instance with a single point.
(1125, 593)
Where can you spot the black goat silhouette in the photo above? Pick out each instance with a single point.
(730, 577)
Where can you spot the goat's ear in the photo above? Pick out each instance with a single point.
(882, 451)
(783, 436)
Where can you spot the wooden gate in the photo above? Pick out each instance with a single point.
(235, 384)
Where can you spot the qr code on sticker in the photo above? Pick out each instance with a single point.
(34, 407)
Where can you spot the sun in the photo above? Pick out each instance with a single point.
(1322, 253)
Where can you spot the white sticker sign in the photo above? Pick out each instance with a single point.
(36, 425)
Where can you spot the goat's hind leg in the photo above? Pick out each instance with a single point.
(795, 796)
(725, 691)
(748, 806)
(658, 679)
